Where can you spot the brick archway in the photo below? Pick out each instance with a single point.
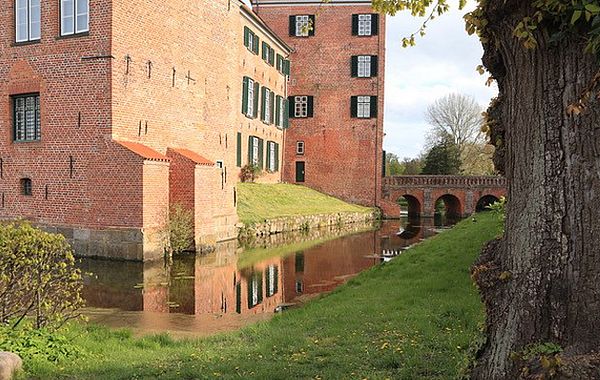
(452, 203)
(486, 201)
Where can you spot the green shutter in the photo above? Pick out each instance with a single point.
(286, 67)
(276, 157)
(278, 111)
(238, 298)
(286, 114)
(261, 153)
(245, 96)
(276, 278)
(272, 57)
(257, 44)
(256, 91)
(272, 100)
(268, 155)
(259, 278)
(238, 158)
(246, 36)
(279, 62)
(250, 150)
(265, 51)
(263, 91)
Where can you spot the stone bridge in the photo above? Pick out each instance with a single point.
(462, 196)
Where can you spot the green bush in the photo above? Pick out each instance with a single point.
(181, 229)
(38, 278)
(249, 173)
(43, 344)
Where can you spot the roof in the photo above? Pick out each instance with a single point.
(143, 151)
(265, 28)
(193, 156)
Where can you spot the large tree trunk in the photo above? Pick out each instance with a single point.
(541, 281)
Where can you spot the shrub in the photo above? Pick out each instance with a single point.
(250, 173)
(38, 277)
(181, 229)
(43, 343)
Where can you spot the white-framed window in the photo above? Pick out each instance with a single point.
(364, 66)
(255, 150)
(281, 112)
(267, 102)
(272, 156)
(301, 106)
(364, 25)
(250, 106)
(74, 17)
(27, 20)
(302, 25)
(299, 147)
(299, 286)
(251, 42)
(364, 107)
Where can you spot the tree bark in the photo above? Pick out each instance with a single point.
(541, 281)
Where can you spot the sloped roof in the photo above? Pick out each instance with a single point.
(143, 151)
(193, 156)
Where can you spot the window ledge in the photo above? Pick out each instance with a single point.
(25, 43)
(27, 141)
(76, 35)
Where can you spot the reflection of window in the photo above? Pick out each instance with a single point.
(299, 286)
(299, 262)
(255, 294)
(272, 279)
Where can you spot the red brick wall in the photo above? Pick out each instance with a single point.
(343, 155)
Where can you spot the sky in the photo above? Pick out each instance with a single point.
(443, 62)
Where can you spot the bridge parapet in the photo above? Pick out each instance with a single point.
(422, 181)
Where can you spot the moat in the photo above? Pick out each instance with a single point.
(232, 287)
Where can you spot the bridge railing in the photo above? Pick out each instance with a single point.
(444, 181)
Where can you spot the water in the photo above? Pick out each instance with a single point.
(232, 287)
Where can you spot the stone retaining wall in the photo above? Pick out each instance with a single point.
(306, 223)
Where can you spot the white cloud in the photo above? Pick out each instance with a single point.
(444, 61)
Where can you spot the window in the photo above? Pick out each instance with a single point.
(364, 66)
(27, 20)
(302, 25)
(364, 107)
(26, 116)
(267, 105)
(365, 24)
(251, 40)
(255, 151)
(268, 54)
(255, 294)
(272, 156)
(26, 187)
(299, 287)
(301, 106)
(74, 17)
(300, 147)
(250, 97)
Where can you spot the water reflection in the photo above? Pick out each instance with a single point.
(232, 287)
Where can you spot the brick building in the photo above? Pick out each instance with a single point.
(336, 90)
(110, 111)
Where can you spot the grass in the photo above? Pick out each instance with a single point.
(413, 318)
(257, 202)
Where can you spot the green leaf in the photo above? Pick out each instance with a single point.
(576, 16)
(593, 8)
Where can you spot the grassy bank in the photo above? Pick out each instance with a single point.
(257, 202)
(413, 318)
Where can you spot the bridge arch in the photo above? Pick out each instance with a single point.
(452, 205)
(486, 201)
(415, 205)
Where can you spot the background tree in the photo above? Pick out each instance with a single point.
(412, 166)
(460, 118)
(540, 281)
(393, 166)
(443, 159)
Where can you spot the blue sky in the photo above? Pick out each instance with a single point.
(444, 61)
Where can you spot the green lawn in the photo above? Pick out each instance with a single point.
(257, 202)
(413, 318)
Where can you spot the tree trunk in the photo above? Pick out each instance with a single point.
(541, 281)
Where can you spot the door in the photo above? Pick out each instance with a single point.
(300, 166)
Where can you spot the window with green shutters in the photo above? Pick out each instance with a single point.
(251, 40)
(268, 54)
(238, 159)
(256, 151)
(364, 66)
(267, 106)
(250, 97)
(255, 290)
